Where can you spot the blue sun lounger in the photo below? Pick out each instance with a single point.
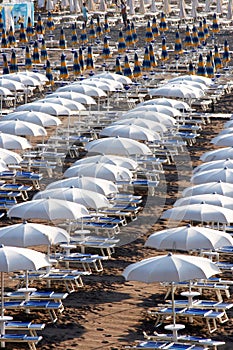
(156, 345)
(33, 328)
(21, 338)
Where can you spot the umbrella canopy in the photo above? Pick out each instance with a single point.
(113, 83)
(131, 131)
(94, 184)
(99, 84)
(118, 146)
(199, 212)
(45, 107)
(83, 89)
(48, 209)
(29, 234)
(12, 85)
(223, 140)
(170, 268)
(217, 154)
(208, 198)
(74, 96)
(72, 105)
(104, 171)
(223, 174)
(189, 238)
(177, 90)
(180, 105)
(18, 127)
(9, 141)
(215, 164)
(89, 199)
(10, 157)
(15, 259)
(151, 115)
(172, 112)
(38, 118)
(224, 188)
(124, 162)
(196, 78)
(113, 76)
(145, 123)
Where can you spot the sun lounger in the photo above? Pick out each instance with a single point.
(33, 328)
(209, 315)
(50, 306)
(156, 345)
(206, 342)
(86, 260)
(44, 295)
(21, 338)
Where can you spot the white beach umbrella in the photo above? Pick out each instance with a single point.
(95, 184)
(42, 119)
(217, 154)
(224, 188)
(207, 5)
(9, 141)
(172, 112)
(118, 146)
(177, 90)
(114, 83)
(145, 123)
(21, 128)
(223, 140)
(124, 162)
(3, 165)
(15, 259)
(180, 105)
(45, 107)
(74, 96)
(83, 89)
(189, 238)
(99, 84)
(48, 209)
(219, 6)
(131, 131)
(142, 9)
(24, 79)
(12, 85)
(215, 164)
(208, 198)
(227, 130)
(36, 75)
(194, 8)
(10, 157)
(191, 84)
(224, 174)
(199, 212)
(151, 115)
(29, 234)
(90, 199)
(108, 75)
(196, 78)
(170, 268)
(72, 105)
(166, 7)
(102, 6)
(104, 171)
(131, 7)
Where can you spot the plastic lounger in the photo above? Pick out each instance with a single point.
(149, 345)
(51, 306)
(33, 328)
(21, 338)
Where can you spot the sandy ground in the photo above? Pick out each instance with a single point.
(109, 313)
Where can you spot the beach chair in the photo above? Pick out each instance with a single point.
(156, 345)
(86, 260)
(21, 338)
(33, 328)
(40, 305)
(44, 295)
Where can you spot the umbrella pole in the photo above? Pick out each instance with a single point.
(173, 304)
(26, 279)
(2, 296)
(1, 105)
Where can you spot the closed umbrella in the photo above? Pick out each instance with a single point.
(146, 63)
(118, 146)
(63, 68)
(95, 184)
(74, 36)
(217, 58)
(28, 58)
(118, 69)
(11, 37)
(189, 238)
(195, 38)
(13, 63)
(49, 74)
(98, 28)
(92, 34)
(40, 29)
(76, 65)
(137, 71)
(127, 70)
(163, 23)
(83, 36)
(106, 50)
(106, 25)
(29, 29)
(43, 52)
(188, 38)
(134, 34)
(224, 188)
(89, 199)
(226, 53)
(215, 25)
(89, 60)
(149, 34)
(155, 29)
(178, 45)
(152, 57)
(50, 22)
(201, 34)
(209, 66)
(121, 43)
(81, 60)
(129, 37)
(201, 69)
(5, 68)
(36, 54)
(4, 40)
